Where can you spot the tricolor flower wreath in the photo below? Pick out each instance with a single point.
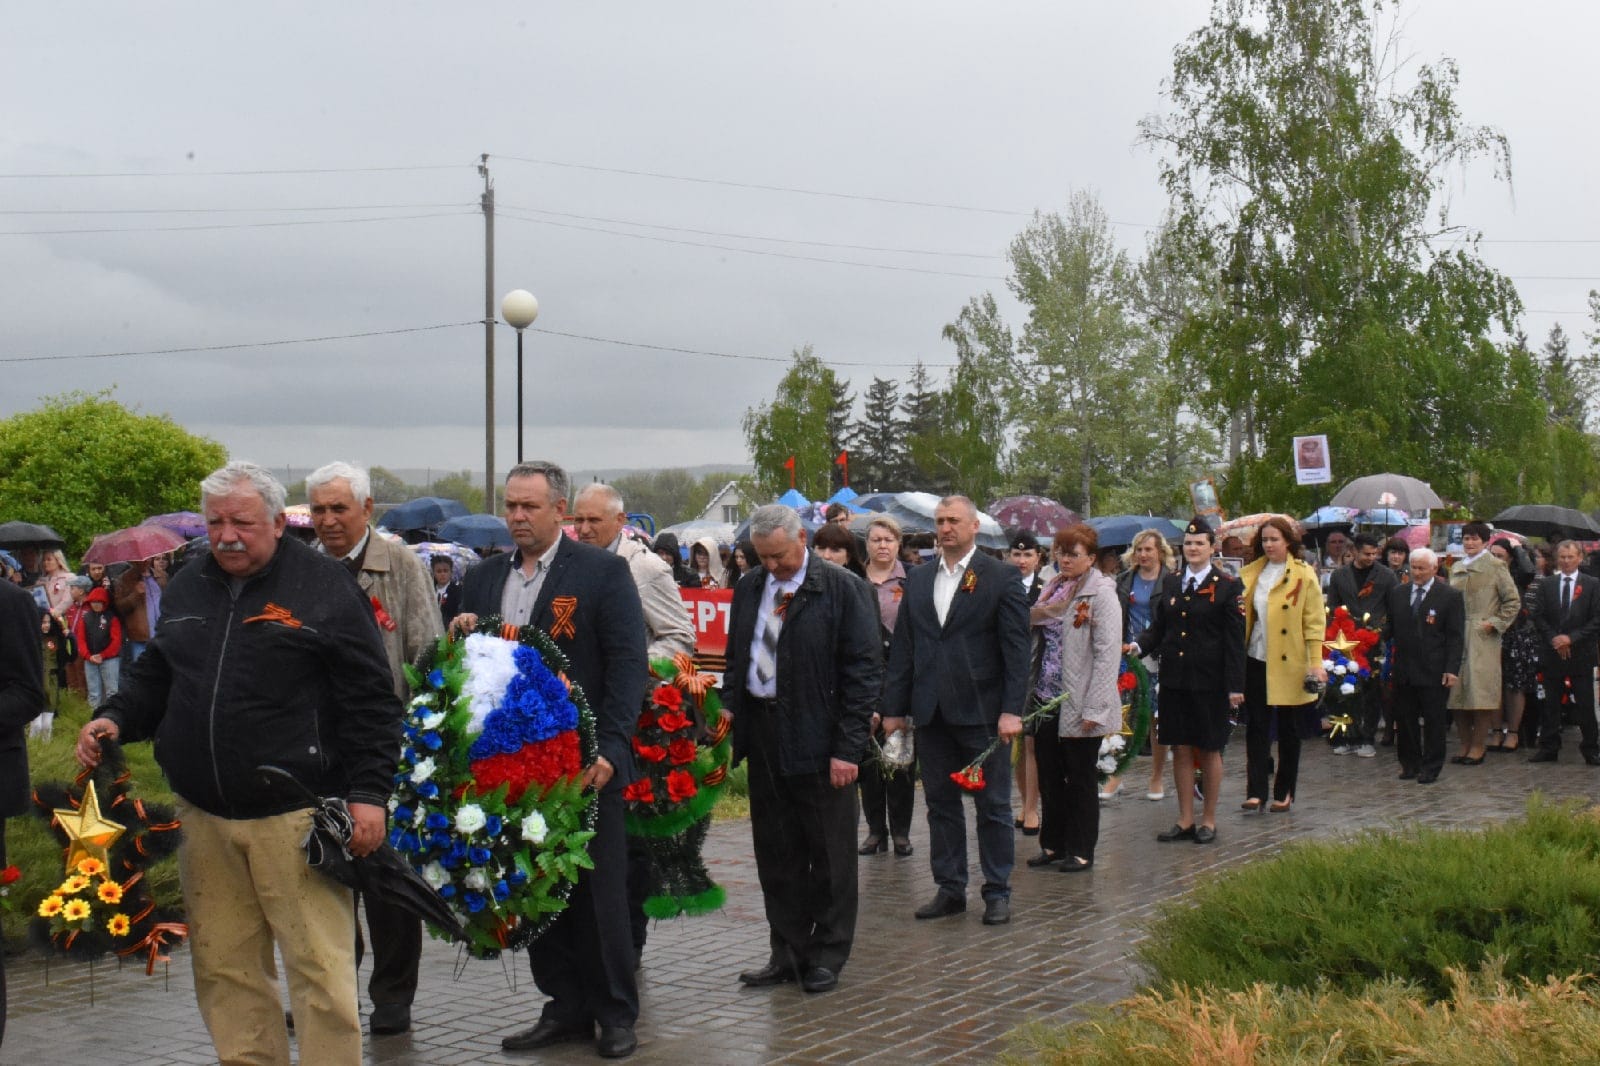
(1117, 750)
(1352, 655)
(487, 801)
(680, 776)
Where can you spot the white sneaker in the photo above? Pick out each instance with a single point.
(1344, 749)
(1366, 751)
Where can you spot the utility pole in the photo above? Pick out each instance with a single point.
(488, 336)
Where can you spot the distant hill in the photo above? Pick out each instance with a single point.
(294, 475)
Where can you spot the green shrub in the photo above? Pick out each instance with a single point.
(1408, 905)
(1485, 1020)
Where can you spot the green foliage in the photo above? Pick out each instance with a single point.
(458, 486)
(84, 464)
(801, 421)
(1486, 1020)
(1408, 905)
(1309, 182)
(669, 496)
(878, 455)
(920, 407)
(388, 488)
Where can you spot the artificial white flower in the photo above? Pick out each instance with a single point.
(431, 721)
(470, 818)
(476, 880)
(490, 668)
(422, 771)
(435, 874)
(534, 828)
(1347, 689)
(424, 700)
(419, 816)
(1106, 765)
(1327, 664)
(1339, 669)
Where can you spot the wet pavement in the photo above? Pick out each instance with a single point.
(913, 992)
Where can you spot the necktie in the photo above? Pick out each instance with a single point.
(767, 656)
(1566, 594)
(1190, 586)
(1416, 597)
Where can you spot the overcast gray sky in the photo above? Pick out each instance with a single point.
(1004, 107)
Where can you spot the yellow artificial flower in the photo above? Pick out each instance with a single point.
(72, 885)
(110, 892)
(50, 907)
(89, 866)
(118, 925)
(76, 910)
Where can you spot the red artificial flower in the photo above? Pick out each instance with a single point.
(673, 721)
(667, 697)
(543, 763)
(649, 752)
(1126, 682)
(682, 751)
(680, 785)
(9, 875)
(639, 792)
(646, 719)
(969, 778)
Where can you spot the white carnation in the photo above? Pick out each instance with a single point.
(431, 721)
(490, 668)
(476, 880)
(470, 818)
(1347, 689)
(435, 874)
(1327, 664)
(422, 771)
(534, 828)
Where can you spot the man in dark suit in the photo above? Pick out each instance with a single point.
(21, 700)
(804, 674)
(958, 667)
(585, 599)
(1565, 608)
(1428, 621)
(1197, 631)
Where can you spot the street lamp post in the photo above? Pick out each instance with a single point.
(519, 309)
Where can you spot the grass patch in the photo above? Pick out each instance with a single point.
(734, 803)
(1484, 1020)
(1410, 906)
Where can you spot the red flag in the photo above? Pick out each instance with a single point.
(788, 464)
(843, 463)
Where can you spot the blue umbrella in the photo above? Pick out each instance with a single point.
(1387, 517)
(424, 512)
(477, 531)
(1116, 530)
(875, 501)
(1328, 519)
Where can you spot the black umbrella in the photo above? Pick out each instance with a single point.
(28, 535)
(383, 873)
(424, 512)
(1548, 521)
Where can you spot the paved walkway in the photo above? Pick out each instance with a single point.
(913, 992)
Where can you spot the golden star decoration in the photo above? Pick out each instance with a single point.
(89, 833)
(1344, 645)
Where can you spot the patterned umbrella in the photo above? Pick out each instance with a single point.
(1040, 515)
(134, 544)
(1246, 526)
(185, 524)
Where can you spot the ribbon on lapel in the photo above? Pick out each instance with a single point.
(562, 608)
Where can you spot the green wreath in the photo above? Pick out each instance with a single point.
(1118, 750)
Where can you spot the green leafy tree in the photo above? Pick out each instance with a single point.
(878, 441)
(841, 405)
(84, 464)
(387, 486)
(798, 422)
(460, 486)
(1308, 176)
(967, 453)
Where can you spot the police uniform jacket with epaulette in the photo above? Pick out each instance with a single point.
(1199, 635)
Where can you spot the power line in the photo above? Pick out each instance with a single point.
(222, 210)
(235, 173)
(749, 236)
(235, 347)
(230, 225)
(747, 251)
(722, 355)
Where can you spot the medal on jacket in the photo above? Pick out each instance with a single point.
(383, 616)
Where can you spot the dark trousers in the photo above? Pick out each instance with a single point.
(584, 961)
(1258, 738)
(1558, 674)
(1368, 709)
(942, 749)
(804, 831)
(1420, 715)
(1069, 786)
(887, 801)
(396, 950)
(641, 883)
(3, 863)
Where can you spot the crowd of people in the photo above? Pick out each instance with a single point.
(844, 645)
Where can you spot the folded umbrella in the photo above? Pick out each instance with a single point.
(384, 873)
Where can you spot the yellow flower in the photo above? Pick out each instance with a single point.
(76, 910)
(89, 866)
(72, 885)
(50, 907)
(110, 892)
(118, 925)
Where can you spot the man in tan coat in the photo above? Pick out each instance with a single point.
(397, 585)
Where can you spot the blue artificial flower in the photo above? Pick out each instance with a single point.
(475, 901)
(492, 825)
(478, 856)
(517, 877)
(501, 890)
(432, 741)
(428, 790)
(447, 891)
(436, 820)
(449, 862)
(403, 815)
(395, 836)
(436, 678)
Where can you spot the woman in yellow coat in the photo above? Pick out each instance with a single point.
(1283, 618)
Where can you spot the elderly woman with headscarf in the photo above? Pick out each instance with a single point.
(1077, 625)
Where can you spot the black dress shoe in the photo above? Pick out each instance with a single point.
(942, 906)
(1044, 858)
(1457, 760)
(1205, 834)
(1030, 830)
(819, 979)
(1407, 775)
(389, 1018)
(616, 1041)
(997, 911)
(547, 1034)
(1177, 832)
(768, 975)
(1542, 756)
(1591, 760)
(1072, 864)
(1427, 779)
(902, 846)
(872, 845)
